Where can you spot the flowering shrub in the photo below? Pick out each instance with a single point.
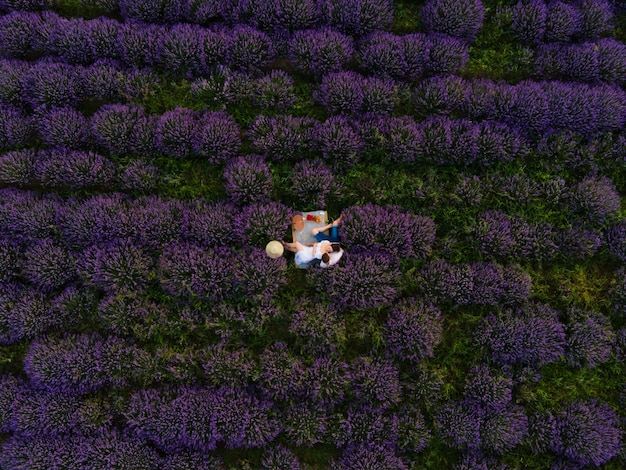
(64, 127)
(139, 176)
(382, 54)
(117, 128)
(358, 17)
(215, 136)
(155, 221)
(73, 169)
(275, 90)
(594, 200)
(413, 330)
(462, 19)
(185, 269)
(318, 328)
(589, 338)
(375, 382)
(71, 41)
(13, 75)
(503, 431)
(9, 261)
(249, 49)
(257, 276)
(596, 18)
(222, 366)
(17, 129)
(181, 50)
(259, 222)
(53, 84)
(280, 458)
(319, 52)
(27, 216)
(529, 20)
(147, 11)
(362, 281)
(25, 315)
(338, 140)
(247, 179)
(312, 183)
(326, 382)
(209, 225)
(389, 229)
(115, 267)
(48, 265)
(26, 33)
(341, 92)
(176, 132)
(563, 22)
(98, 219)
(282, 137)
(529, 335)
(447, 54)
(138, 44)
(284, 15)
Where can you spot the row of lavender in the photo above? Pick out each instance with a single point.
(191, 51)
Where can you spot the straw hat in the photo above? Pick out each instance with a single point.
(274, 249)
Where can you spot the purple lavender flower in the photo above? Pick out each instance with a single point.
(441, 94)
(10, 387)
(320, 51)
(503, 431)
(414, 434)
(413, 330)
(529, 21)
(399, 139)
(94, 220)
(215, 137)
(73, 169)
(122, 313)
(224, 366)
(380, 96)
(319, 329)
(462, 19)
(280, 458)
(25, 315)
(282, 375)
(139, 176)
(28, 216)
(138, 44)
(588, 433)
(338, 141)
(363, 281)
(116, 127)
(115, 267)
(282, 137)
(71, 41)
(498, 142)
(74, 363)
(312, 184)
(326, 381)
(111, 449)
(176, 132)
(185, 269)
(358, 17)
(17, 168)
(284, 15)
(9, 261)
(181, 51)
(64, 127)
(25, 5)
(48, 266)
(147, 11)
(447, 54)
(589, 338)
(416, 48)
(576, 242)
(530, 335)
(611, 57)
(103, 80)
(155, 221)
(45, 452)
(563, 22)
(53, 84)
(365, 425)
(103, 34)
(209, 225)
(341, 92)
(596, 18)
(395, 231)
(275, 91)
(595, 200)
(257, 276)
(305, 424)
(260, 222)
(13, 74)
(489, 388)
(16, 128)
(23, 34)
(459, 425)
(375, 382)
(249, 50)
(190, 459)
(382, 54)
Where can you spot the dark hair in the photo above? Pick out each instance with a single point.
(326, 258)
(336, 246)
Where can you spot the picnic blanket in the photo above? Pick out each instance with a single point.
(305, 236)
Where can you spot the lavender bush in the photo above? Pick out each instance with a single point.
(249, 50)
(48, 265)
(209, 225)
(589, 338)
(73, 169)
(139, 176)
(155, 221)
(275, 91)
(138, 44)
(282, 137)
(176, 132)
(117, 128)
(319, 329)
(358, 17)
(215, 136)
(181, 51)
(389, 229)
(53, 84)
(562, 23)
(17, 128)
(462, 19)
(313, 184)
(319, 52)
(529, 20)
(9, 261)
(595, 200)
(64, 127)
(339, 141)
(24, 34)
(413, 330)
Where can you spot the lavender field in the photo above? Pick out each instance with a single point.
(150, 149)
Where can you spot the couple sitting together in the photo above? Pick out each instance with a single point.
(326, 249)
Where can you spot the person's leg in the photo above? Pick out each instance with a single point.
(293, 247)
(318, 230)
